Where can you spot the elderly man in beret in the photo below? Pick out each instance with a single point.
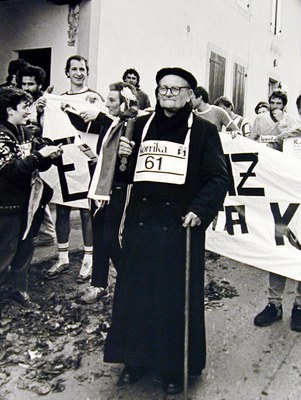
(179, 175)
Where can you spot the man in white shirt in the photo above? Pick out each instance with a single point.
(227, 105)
(212, 113)
(274, 123)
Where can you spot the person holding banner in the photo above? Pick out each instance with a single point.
(107, 189)
(77, 70)
(214, 114)
(31, 79)
(270, 128)
(21, 156)
(227, 105)
(180, 179)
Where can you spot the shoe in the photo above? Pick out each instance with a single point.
(296, 318)
(85, 272)
(173, 385)
(131, 374)
(38, 242)
(56, 270)
(269, 315)
(94, 294)
(24, 299)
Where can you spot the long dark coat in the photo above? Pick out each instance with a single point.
(148, 315)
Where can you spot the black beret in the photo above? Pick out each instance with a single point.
(179, 72)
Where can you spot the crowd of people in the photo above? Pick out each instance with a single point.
(159, 172)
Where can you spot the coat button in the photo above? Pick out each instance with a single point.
(144, 199)
(165, 229)
(141, 224)
(167, 203)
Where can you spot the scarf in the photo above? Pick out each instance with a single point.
(175, 126)
(102, 181)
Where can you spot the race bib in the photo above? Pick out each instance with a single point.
(162, 161)
(25, 149)
(268, 139)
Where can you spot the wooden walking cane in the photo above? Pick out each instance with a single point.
(186, 312)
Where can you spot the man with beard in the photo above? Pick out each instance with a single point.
(31, 78)
(180, 179)
(273, 125)
(268, 126)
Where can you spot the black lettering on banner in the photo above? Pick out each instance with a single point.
(62, 169)
(281, 222)
(241, 189)
(231, 189)
(230, 221)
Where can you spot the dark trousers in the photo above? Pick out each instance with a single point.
(14, 251)
(106, 246)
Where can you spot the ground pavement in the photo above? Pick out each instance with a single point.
(243, 363)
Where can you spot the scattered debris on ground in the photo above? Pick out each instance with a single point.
(216, 288)
(40, 345)
(48, 341)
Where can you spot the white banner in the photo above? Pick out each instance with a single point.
(260, 223)
(71, 178)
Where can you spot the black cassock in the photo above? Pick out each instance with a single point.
(148, 314)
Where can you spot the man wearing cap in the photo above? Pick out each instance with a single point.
(180, 179)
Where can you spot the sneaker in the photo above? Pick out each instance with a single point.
(85, 272)
(56, 270)
(38, 242)
(24, 299)
(94, 294)
(296, 318)
(269, 315)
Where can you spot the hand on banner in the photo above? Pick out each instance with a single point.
(51, 151)
(41, 104)
(234, 134)
(93, 98)
(125, 147)
(49, 89)
(191, 219)
(89, 115)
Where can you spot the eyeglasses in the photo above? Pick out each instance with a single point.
(174, 90)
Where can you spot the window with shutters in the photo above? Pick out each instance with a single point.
(238, 96)
(217, 66)
(276, 17)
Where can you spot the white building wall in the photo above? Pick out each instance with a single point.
(149, 34)
(265, 47)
